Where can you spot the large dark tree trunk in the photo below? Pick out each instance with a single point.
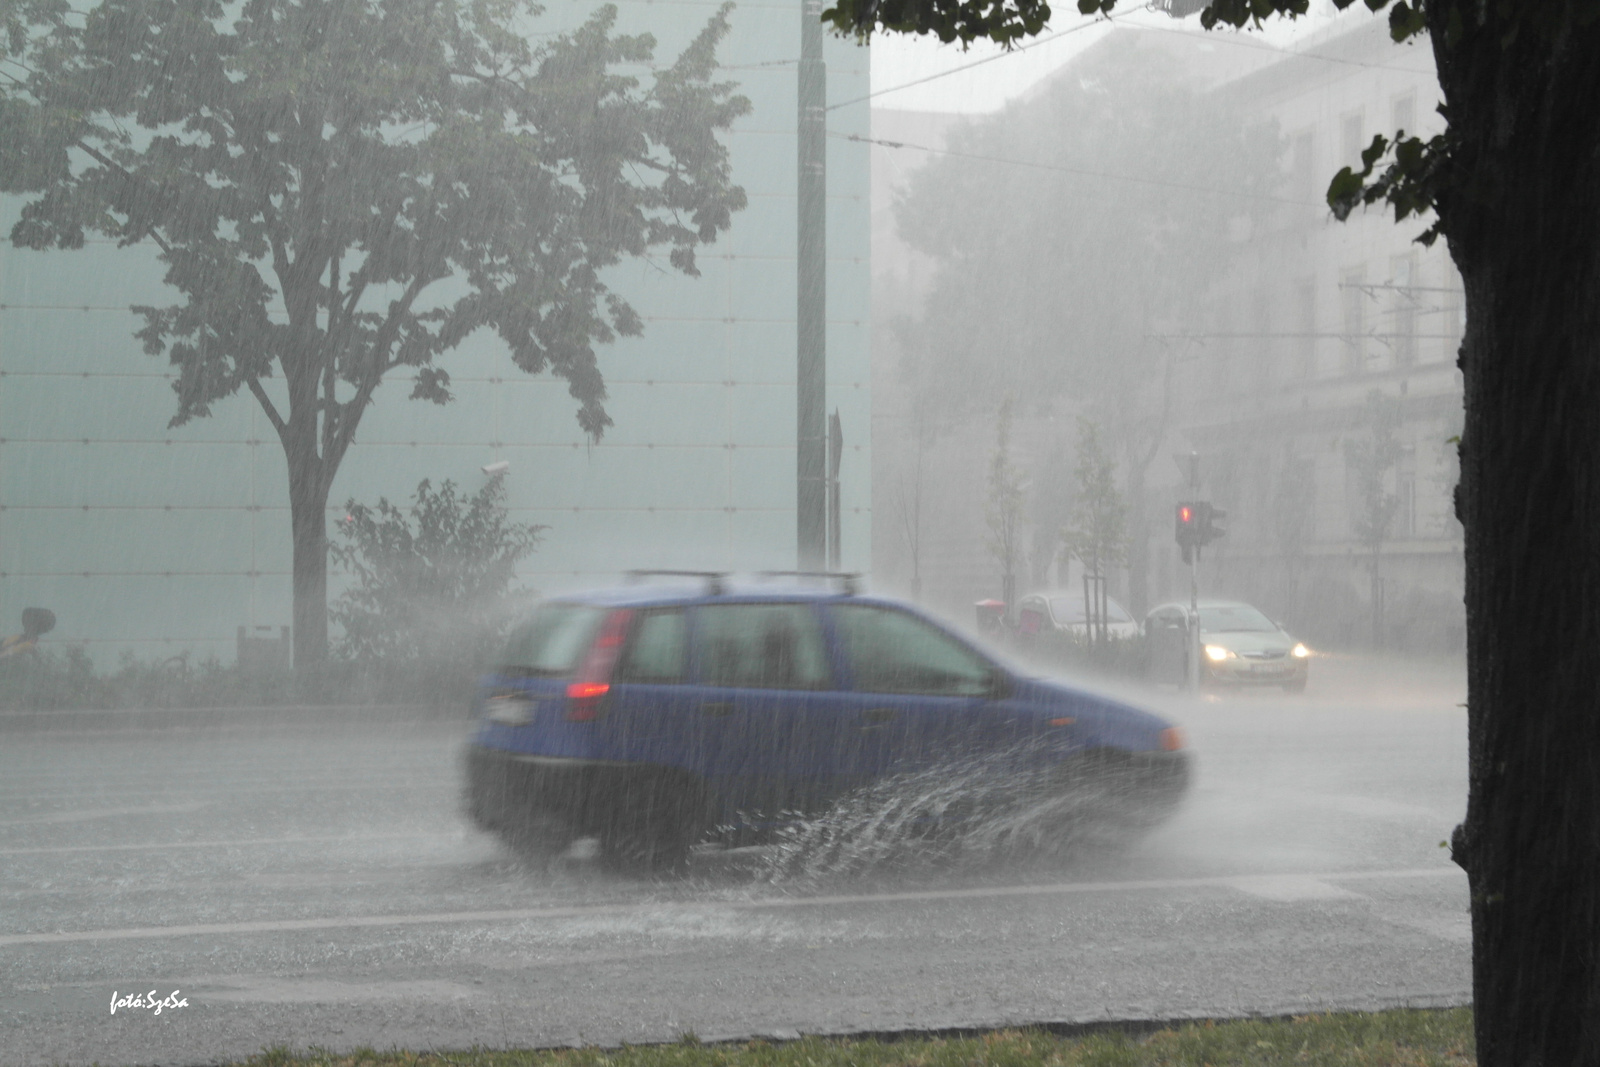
(1522, 214)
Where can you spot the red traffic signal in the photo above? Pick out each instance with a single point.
(1188, 523)
(1187, 529)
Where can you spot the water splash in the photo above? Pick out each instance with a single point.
(960, 816)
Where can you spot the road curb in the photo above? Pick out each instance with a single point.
(1134, 1026)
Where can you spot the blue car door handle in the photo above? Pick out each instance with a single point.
(717, 708)
(873, 718)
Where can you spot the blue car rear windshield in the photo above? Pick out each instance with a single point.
(550, 642)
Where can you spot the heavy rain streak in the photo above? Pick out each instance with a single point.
(527, 526)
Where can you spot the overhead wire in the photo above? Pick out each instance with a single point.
(1080, 171)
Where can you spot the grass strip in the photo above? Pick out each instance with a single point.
(1400, 1038)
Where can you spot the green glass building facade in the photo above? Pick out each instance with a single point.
(161, 540)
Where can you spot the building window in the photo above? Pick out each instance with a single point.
(1352, 129)
(1405, 510)
(1403, 111)
(1353, 298)
(1302, 168)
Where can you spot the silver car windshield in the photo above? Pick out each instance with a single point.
(1234, 618)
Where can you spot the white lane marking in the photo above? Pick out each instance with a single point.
(262, 990)
(587, 910)
(389, 783)
(1290, 887)
(248, 842)
(104, 813)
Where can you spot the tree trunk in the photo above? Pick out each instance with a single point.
(1522, 214)
(308, 512)
(1379, 603)
(1138, 538)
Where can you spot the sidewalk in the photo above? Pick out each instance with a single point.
(1338, 679)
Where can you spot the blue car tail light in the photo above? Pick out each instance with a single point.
(586, 693)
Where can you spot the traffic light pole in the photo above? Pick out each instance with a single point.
(1193, 679)
(1190, 464)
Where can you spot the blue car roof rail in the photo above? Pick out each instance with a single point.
(849, 582)
(716, 581)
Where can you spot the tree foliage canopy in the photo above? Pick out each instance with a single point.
(1098, 533)
(1061, 259)
(340, 189)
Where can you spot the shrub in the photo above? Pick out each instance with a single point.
(433, 584)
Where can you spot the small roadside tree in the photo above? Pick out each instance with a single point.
(343, 189)
(1004, 513)
(1293, 509)
(1370, 455)
(431, 583)
(1098, 534)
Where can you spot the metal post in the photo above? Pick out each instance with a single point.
(811, 522)
(835, 457)
(1192, 681)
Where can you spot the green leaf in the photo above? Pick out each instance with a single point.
(1406, 21)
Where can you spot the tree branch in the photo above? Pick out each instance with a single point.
(106, 161)
(272, 412)
(349, 413)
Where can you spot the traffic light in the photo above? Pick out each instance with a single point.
(1198, 524)
(1211, 523)
(1188, 528)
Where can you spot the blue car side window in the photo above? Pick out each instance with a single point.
(761, 646)
(656, 650)
(891, 651)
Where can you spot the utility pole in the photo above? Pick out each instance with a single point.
(811, 510)
(835, 457)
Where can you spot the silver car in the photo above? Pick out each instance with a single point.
(1238, 646)
(1064, 610)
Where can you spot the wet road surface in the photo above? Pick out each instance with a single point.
(315, 885)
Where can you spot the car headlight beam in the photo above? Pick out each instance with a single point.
(1299, 651)
(1216, 653)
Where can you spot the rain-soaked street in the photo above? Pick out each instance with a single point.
(316, 885)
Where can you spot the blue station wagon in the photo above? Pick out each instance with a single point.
(653, 714)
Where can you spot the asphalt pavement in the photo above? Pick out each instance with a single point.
(304, 878)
